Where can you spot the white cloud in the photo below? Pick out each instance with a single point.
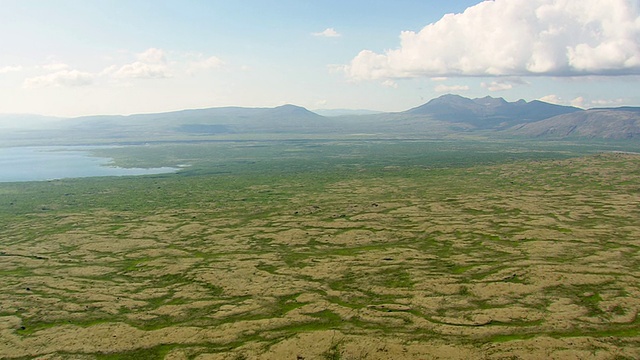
(140, 70)
(552, 99)
(151, 64)
(497, 86)
(203, 64)
(152, 56)
(321, 103)
(450, 88)
(583, 102)
(55, 67)
(8, 69)
(390, 83)
(578, 102)
(516, 37)
(502, 84)
(603, 102)
(328, 32)
(337, 68)
(68, 78)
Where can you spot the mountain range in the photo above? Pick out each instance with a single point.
(616, 123)
(489, 112)
(446, 115)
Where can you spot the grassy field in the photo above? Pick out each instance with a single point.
(329, 250)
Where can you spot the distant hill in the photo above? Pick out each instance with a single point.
(613, 123)
(488, 112)
(345, 112)
(445, 116)
(180, 125)
(286, 118)
(27, 121)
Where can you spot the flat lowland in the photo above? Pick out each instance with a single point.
(526, 259)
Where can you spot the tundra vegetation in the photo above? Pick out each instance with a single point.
(318, 249)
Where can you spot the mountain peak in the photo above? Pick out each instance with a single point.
(290, 106)
(488, 112)
(289, 109)
(618, 124)
(490, 101)
(448, 98)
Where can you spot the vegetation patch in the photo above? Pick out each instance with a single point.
(275, 247)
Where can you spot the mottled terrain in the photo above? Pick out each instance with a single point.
(520, 260)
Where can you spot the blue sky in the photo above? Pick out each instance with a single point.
(79, 57)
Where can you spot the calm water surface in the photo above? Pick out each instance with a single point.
(53, 162)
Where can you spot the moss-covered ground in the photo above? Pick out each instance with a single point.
(383, 251)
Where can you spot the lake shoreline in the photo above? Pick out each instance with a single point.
(46, 163)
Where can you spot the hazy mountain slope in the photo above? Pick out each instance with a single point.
(488, 112)
(284, 118)
(176, 125)
(622, 123)
(392, 125)
(27, 121)
(345, 112)
(448, 115)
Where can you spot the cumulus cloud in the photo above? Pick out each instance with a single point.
(328, 32)
(69, 78)
(607, 102)
(151, 64)
(583, 102)
(580, 101)
(553, 99)
(55, 67)
(502, 84)
(390, 83)
(141, 70)
(450, 88)
(517, 38)
(497, 86)
(152, 56)
(202, 64)
(8, 69)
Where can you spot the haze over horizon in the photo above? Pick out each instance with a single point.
(72, 58)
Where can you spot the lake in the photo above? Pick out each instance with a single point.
(57, 162)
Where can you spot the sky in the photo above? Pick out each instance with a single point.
(72, 58)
